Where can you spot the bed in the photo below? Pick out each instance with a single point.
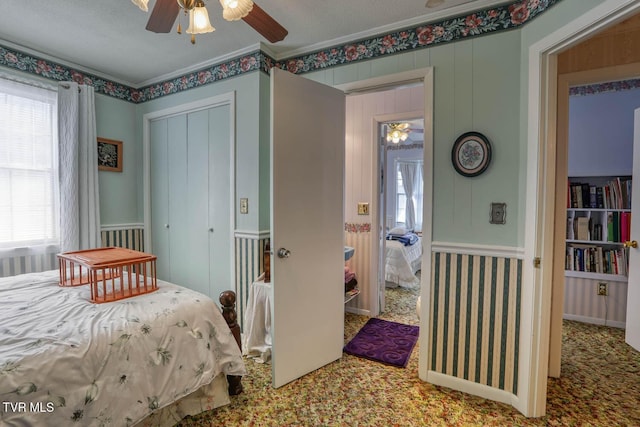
(147, 360)
(402, 262)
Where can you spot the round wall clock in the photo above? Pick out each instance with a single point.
(471, 154)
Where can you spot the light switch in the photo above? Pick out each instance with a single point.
(244, 205)
(498, 213)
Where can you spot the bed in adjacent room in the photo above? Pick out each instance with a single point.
(67, 361)
(403, 259)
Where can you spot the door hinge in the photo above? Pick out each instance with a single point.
(536, 262)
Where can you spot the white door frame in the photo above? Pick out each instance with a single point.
(540, 196)
(203, 104)
(424, 75)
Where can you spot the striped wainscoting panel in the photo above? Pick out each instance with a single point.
(476, 318)
(358, 236)
(583, 304)
(25, 260)
(249, 265)
(130, 237)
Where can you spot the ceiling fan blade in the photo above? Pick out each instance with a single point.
(163, 16)
(263, 23)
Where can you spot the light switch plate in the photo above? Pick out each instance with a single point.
(363, 208)
(498, 213)
(244, 205)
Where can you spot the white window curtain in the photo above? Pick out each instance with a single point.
(79, 198)
(411, 173)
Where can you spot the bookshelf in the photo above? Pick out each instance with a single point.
(598, 224)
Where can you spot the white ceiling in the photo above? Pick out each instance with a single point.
(108, 37)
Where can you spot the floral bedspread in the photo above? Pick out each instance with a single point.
(66, 361)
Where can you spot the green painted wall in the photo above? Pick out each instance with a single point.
(248, 136)
(119, 194)
(476, 88)
(480, 84)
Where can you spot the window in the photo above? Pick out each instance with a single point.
(29, 208)
(401, 196)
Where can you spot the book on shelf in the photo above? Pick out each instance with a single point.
(570, 231)
(596, 259)
(615, 193)
(625, 226)
(582, 228)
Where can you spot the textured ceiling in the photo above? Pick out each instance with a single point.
(108, 37)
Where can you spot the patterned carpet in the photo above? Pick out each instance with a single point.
(600, 386)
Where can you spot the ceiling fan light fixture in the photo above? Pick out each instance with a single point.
(142, 4)
(397, 132)
(199, 20)
(233, 10)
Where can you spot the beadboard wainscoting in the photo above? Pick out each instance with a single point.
(358, 236)
(249, 266)
(475, 315)
(35, 260)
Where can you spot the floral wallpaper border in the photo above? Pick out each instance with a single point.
(605, 87)
(352, 227)
(478, 23)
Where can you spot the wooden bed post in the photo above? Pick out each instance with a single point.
(228, 302)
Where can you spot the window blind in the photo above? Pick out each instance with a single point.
(29, 208)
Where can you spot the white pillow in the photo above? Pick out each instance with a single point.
(401, 231)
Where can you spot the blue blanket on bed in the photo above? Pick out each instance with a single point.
(407, 239)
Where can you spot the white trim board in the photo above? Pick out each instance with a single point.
(482, 250)
(116, 227)
(595, 321)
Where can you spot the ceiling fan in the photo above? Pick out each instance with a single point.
(165, 12)
(399, 132)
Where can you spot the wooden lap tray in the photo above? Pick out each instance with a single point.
(112, 273)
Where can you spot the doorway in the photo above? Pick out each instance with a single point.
(400, 145)
(621, 68)
(370, 103)
(541, 200)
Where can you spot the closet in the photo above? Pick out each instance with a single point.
(191, 199)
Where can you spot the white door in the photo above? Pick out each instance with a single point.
(633, 293)
(307, 225)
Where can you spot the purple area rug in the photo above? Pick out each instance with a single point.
(384, 341)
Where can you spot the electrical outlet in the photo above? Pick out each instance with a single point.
(603, 289)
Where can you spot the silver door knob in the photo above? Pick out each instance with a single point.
(283, 253)
(211, 230)
(166, 226)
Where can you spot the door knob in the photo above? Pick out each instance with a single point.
(166, 226)
(631, 244)
(211, 230)
(283, 253)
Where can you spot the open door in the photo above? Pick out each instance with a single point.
(307, 225)
(632, 334)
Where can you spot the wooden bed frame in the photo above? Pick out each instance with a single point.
(228, 303)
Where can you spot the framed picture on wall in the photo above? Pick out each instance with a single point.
(471, 154)
(109, 155)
